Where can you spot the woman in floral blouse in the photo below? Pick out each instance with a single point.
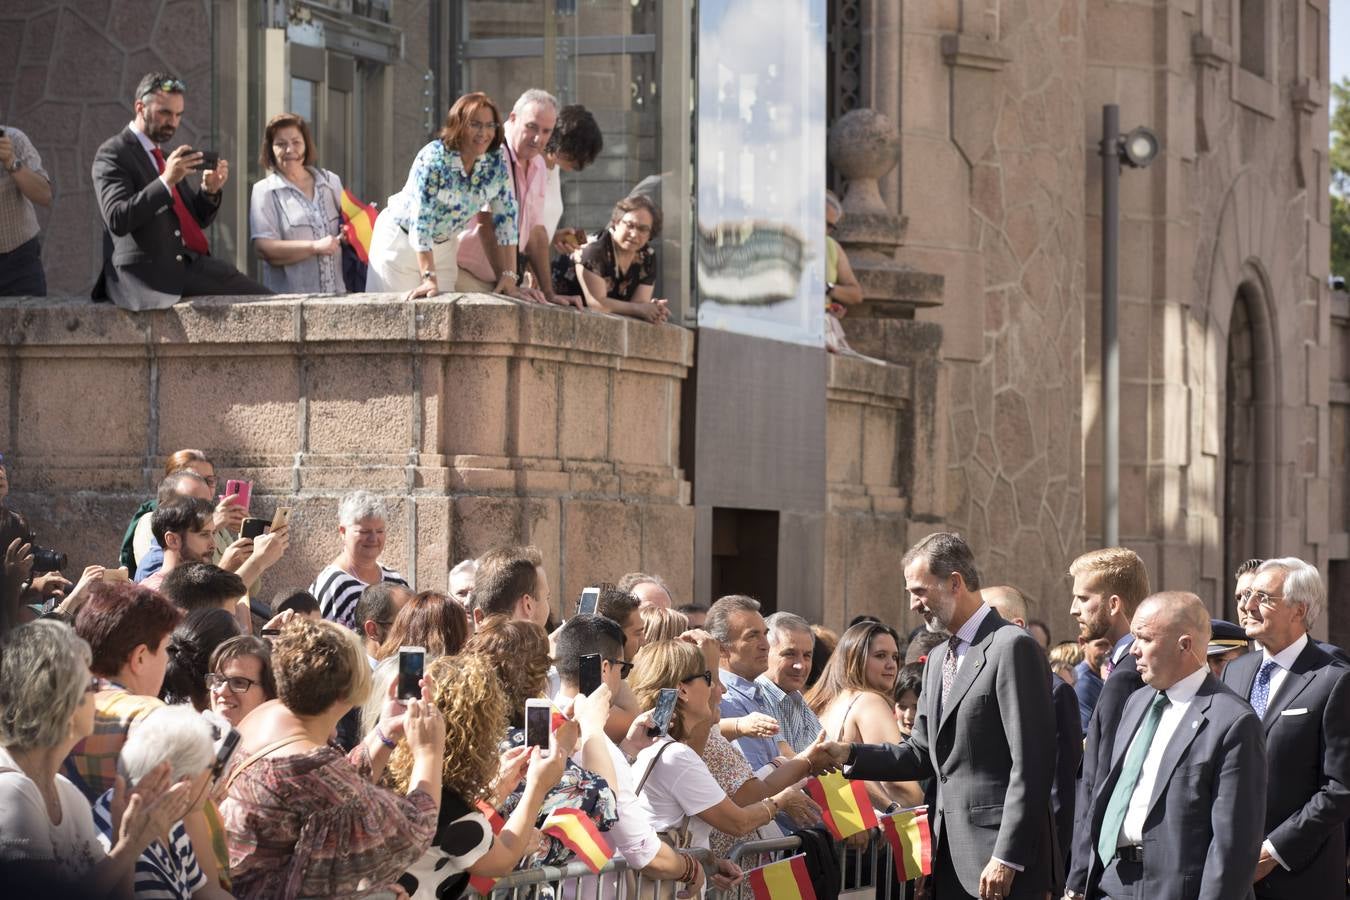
(464, 169)
(616, 272)
(303, 821)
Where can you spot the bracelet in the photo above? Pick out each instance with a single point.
(379, 733)
(429, 275)
(771, 806)
(690, 869)
(509, 273)
(738, 727)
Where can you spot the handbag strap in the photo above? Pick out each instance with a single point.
(647, 774)
(275, 745)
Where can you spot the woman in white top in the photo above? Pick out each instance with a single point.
(47, 833)
(674, 783)
(294, 215)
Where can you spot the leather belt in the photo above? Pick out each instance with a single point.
(1133, 853)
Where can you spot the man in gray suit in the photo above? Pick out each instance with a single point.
(985, 732)
(1178, 816)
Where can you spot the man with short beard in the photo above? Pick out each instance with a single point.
(1108, 585)
(155, 251)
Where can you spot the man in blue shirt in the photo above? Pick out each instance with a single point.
(735, 622)
(791, 644)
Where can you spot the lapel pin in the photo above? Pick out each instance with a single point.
(1195, 724)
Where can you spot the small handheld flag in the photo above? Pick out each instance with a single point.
(786, 879)
(358, 223)
(911, 842)
(844, 805)
(575, 829)
(482, 883)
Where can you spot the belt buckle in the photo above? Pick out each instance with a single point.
(1133, 853)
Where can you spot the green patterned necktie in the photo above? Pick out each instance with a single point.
(1129, 777)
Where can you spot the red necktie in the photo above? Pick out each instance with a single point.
(193, 237)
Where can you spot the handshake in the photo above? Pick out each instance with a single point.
(826, 756)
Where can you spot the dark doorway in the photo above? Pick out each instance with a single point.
(1338, 601)
(745, 555)
(1240, 452)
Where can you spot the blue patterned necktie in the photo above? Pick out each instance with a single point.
(1261, 690)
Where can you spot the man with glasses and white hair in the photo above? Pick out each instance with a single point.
(527, 130)
(179, 737)
(1302, 696)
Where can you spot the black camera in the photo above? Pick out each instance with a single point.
(47, 560)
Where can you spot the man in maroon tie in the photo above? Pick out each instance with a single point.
(155, 251)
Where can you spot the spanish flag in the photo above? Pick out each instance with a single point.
(358, 223)
(911, 843)
(482, 883)
(784, 880)
(578, 833)
(844, 804)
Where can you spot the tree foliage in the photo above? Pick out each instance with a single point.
(1340, 179)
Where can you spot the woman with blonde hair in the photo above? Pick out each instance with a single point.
(301, 819)
(675, 785)
(470, 698)
(853, 700)
(661, 624)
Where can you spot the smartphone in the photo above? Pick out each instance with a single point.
(242, 489)
(411, 661)
(118, 574)
(282, 517)
(590, 597)
(664, 712)
(253, 527)
(538, 718)
(589, 677)
(225, 740)
(210, 159)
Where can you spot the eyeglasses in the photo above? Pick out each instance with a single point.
(482, 126)
(706, 675)
(1261, 597)
(637, 227)
(92, 686)
(624, 667)
(238, 684)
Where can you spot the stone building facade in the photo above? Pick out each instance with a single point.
(978, 237)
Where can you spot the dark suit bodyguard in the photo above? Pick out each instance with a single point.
(1178, 815)
(985, 732)
(155, 251)
(1303, 698)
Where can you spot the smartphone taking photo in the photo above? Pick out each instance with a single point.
(242, 491)
(411, 661)
(252, 527)
(590, 598)
(664, 712)
(538, 717)
(588, 678)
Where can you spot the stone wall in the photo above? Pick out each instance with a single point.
(68, 69)
(480, 420)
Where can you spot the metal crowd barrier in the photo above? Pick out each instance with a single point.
(869, 870)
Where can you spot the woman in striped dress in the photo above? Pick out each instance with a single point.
(361, 524)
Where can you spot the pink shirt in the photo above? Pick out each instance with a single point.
(531, 186)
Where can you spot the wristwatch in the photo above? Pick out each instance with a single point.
(14, 166)
(429, 275)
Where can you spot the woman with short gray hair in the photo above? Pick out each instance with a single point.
(361, 526)
(179, 738)
(47, 834)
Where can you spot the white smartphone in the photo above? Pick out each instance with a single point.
(538, 718)
(411, 661)
(590, 598)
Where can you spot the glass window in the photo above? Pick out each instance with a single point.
(303, 103)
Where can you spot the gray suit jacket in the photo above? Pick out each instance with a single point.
(1202, 835)
(991, 751)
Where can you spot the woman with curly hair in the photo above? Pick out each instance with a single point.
(853, 700)
(518, 652)
(304, 821)
(432, 620)
(469, 696)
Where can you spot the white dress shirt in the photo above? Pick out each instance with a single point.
(1283, 661)
(966, 633)
(1179, 698)
(149, 147)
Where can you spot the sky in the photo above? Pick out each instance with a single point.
(1340, 39)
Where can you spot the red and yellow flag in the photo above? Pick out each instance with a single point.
(911, 842)
(575, 829)
(358, 223)
(844, 805)
(482, 883)
(784, 880)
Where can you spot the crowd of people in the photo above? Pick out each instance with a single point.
(481, 210)
(171, 734)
